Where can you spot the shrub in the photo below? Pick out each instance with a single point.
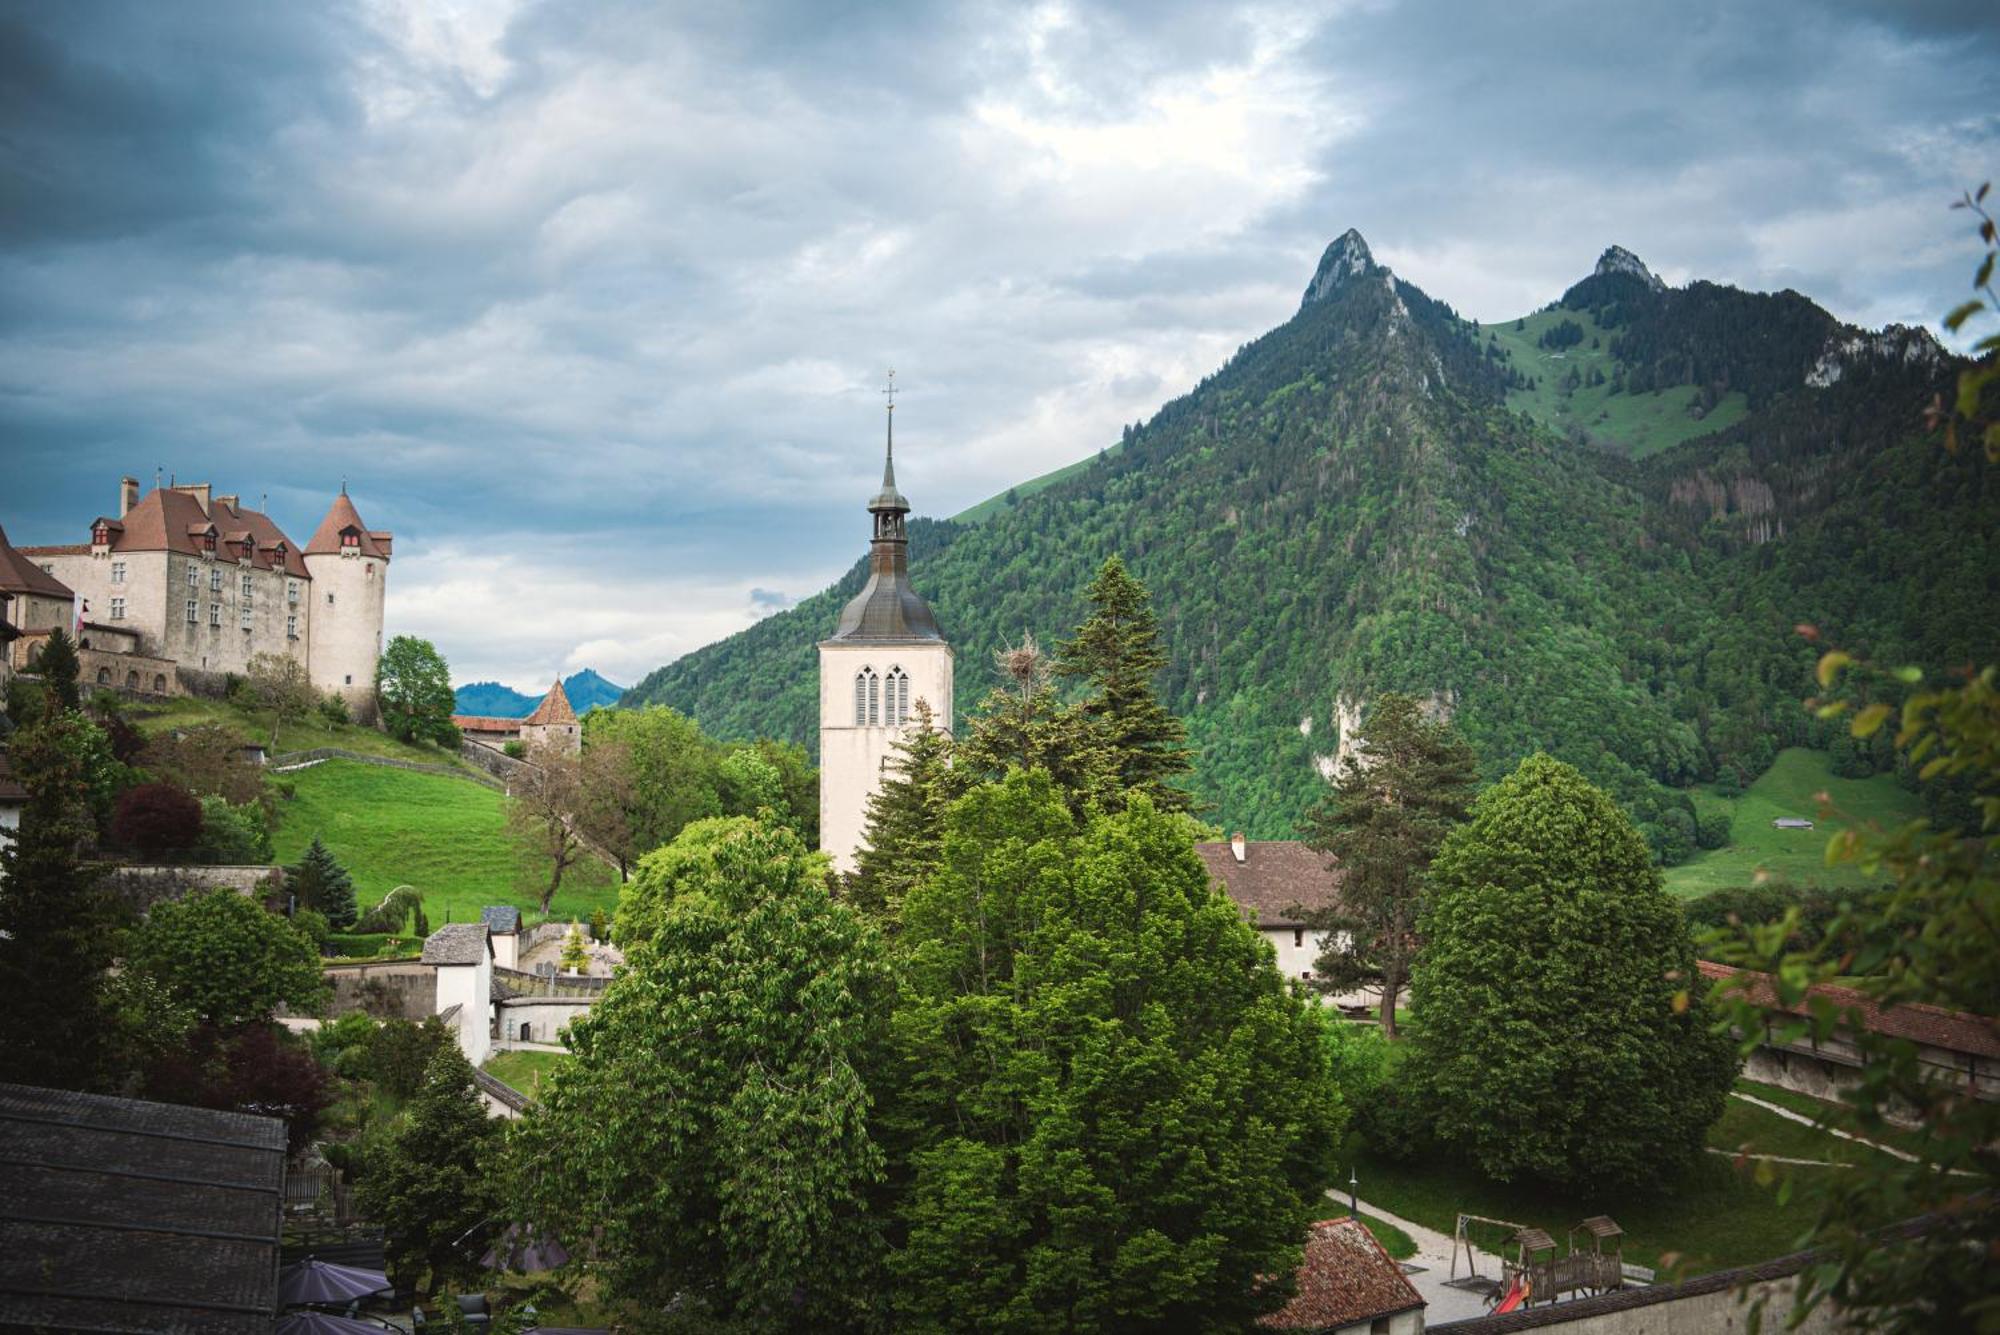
(312, 923)
(233, 836)
(515, 750)
(333, 708)
(1711, 829)
(399, 1052)
(156, 817)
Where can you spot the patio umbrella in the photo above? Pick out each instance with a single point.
(515, 1250)
(325, 1323)
(312, 1281)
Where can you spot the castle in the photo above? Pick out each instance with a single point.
(886, 655)
(182, 584)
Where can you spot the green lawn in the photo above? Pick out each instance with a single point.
(1797, 856)
(1910, 1141)
(187, 711)
(1638, 424)
(445, 836)
(524, 1070)
(1400, 1245)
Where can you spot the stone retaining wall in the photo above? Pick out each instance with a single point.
(390, 990)
(141, 887)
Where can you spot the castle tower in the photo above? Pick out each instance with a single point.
(554, 723)
(886, 656)
(349, 565)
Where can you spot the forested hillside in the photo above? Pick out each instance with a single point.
(1379, 494)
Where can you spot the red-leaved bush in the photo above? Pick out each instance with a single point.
(155, 817)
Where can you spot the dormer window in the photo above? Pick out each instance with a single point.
(100, 536)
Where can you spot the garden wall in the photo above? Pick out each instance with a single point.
(545, 1017)
(393, 989)
(144, 886)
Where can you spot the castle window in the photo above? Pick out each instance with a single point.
(193, 603)
(215, 614)
(194, 578)
(291, 590)
(159, 683)
(100, 537)
(329, 600)
(243, 618)
(349, 679)
(117, 609)
(117, 572)
(132, 680)
(291, 628)
(370, 568)
(215, 581)
(246, 586)
(104, 676)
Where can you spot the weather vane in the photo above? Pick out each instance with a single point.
(890, 392)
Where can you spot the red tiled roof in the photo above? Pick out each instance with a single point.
(1345, 1277)
(484, 723)
(167, 520)
(340, 517)
(1275, 876)
(20, 575)
(1932, 1026)
(56, 549)
(554, 708)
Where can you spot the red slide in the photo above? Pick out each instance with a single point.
(1515, 1297)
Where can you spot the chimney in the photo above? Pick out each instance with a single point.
(198, 490)
(231, 502)
(1237, 848)
(128, 495)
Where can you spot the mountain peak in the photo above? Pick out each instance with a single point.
(1617, 259)
(1347, 257)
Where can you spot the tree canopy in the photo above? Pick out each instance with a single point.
(433, 1183)
(413, 689)
(1563, 1032)
(227, 959)
(716, 1121)
(1117, 653)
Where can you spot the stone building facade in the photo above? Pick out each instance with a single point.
(886, 655)
(204, 584)
(553, 724)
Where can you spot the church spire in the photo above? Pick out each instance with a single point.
(887, 608)
(889, 501)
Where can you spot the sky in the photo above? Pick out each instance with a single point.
(591, 304)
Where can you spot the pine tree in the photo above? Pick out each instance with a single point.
(1117, 651)
(60, 670)
(432, 1185)
(57, 926)
(905, 820)
(1404, 785)
(321, 884)
(1023, 724)
(575, 955)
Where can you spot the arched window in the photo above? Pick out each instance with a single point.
(104, 676)
(874, 700)
(896, 704)
(861, 698)
(132, 681)
(159, 683)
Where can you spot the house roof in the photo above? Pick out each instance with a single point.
(484, 723)
(501, 918)
(1345, 1277)
(457, 943)
(18, 574)
(1275, 877)
(168, 519)
(1932, 1026)
(132, 1216)
(554, 708)
(341, 517)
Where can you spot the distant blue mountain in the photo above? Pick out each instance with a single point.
(586, 690)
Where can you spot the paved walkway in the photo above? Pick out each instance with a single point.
(1434, 1259)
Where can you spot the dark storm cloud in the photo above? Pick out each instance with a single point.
(591, 302)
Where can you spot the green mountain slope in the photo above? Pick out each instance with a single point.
(1374, 496)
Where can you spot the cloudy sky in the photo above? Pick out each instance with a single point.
(591, 302)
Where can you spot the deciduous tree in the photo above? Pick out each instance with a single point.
(278, 685)
(1402, 787)
(413, 687)
(155, 818)
(713, 1131)
(1563, 1032)
(227, 959)
(544, 816)
(1115, 1114)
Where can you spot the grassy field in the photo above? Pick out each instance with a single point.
(524, 1070)
(1639, 424)
(1910, 1141)
(187, 712)
(1797, 856)
(444, 836)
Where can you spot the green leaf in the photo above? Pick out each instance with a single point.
(1963, 312)
(1909, 676)
(1830, 664)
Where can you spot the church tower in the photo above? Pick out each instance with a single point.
(886, 656)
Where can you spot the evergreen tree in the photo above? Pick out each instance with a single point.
(575, 955)
(713, 1132)
(1563, 1031)
(905, 820)
(1023, 724)
(1117, 652)
(60, 670)
(432, 1183)
(57, 926)
(1400, 790)
(323, 885)
(1115, 1115)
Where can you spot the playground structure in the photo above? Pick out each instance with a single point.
(1535, 1273)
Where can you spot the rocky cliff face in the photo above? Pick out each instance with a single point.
(1617, 259)
(1345, 260)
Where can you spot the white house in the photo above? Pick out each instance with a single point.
(462, 953)
(1271, 880)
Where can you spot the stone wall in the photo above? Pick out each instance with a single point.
(392, 989)
(501, 766)
(546, 1017)
(143, 887)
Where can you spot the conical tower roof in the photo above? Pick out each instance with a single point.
(888, 610)
(554, 708)
(340, 517)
